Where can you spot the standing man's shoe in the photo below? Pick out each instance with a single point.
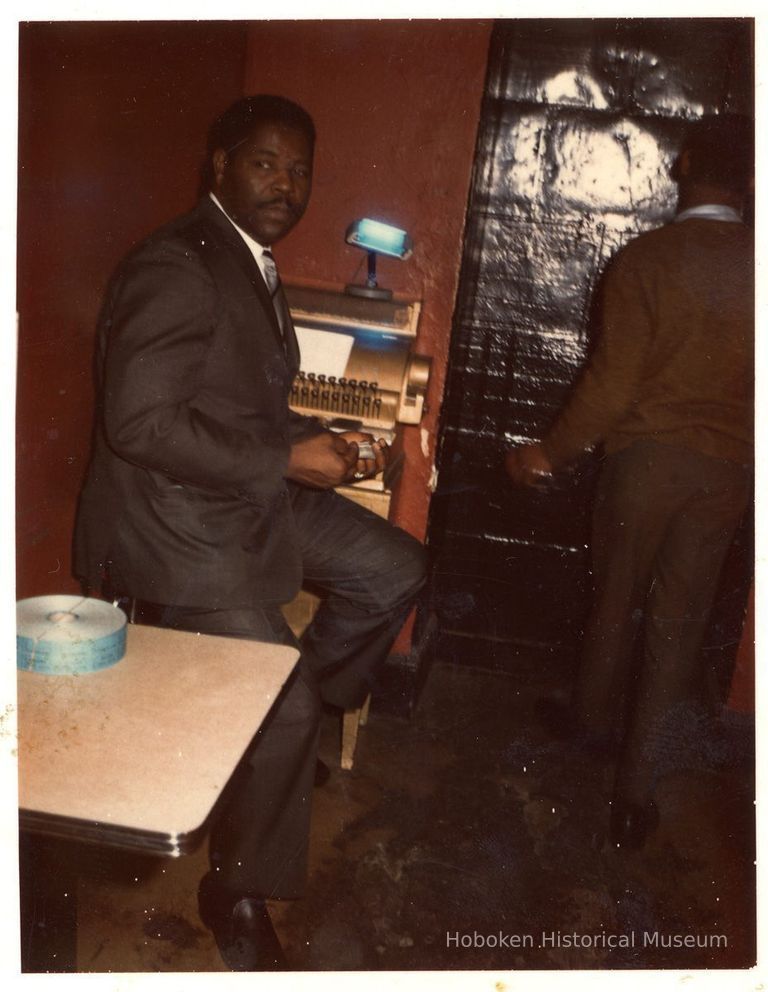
(242, 929)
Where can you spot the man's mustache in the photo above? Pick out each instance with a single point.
(280, 201)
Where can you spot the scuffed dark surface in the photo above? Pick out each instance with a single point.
(468, 820)
(582, 120)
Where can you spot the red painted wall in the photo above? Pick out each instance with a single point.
(112, 122)
(396, 105)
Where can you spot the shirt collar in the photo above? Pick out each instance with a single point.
(257, 250)
(710, 211)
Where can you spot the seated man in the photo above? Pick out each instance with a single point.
(208, 502)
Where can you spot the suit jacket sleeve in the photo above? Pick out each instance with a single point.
(160, 409)
(300, 426)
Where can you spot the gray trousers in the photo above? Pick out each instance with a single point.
(664, 519)
(370, 573)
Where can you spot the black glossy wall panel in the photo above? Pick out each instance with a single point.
(581, 122)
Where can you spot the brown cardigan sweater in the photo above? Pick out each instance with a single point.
(674, 362)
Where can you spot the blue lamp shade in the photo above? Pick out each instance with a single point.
(373, 235)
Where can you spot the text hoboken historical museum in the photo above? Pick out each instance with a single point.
(559, 939)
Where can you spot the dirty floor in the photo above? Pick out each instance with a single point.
(465, 839)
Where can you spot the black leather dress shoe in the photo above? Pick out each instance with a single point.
(241, 927)
(631, 824)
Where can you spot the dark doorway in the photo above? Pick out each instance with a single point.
(581, 121)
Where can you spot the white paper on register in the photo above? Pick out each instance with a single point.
(324, 352)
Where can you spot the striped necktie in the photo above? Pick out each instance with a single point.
(276, 291)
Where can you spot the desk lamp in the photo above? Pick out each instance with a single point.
(377, 239)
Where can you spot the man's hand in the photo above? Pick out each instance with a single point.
(322, 461)
(528, 465)
(368, 467)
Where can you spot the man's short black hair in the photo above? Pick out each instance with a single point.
(232, 127)
(721, 150)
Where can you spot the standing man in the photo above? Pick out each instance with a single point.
(208, 502)
(669, 393)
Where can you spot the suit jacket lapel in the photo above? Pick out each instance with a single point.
(292, 354)
(227, 233)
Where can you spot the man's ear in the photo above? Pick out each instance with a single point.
(220, 161)
(681, 167)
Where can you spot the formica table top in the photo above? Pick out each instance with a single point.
(136, 755)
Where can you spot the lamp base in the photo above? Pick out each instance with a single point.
(369, 292)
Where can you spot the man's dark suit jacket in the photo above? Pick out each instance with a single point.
(185, 502)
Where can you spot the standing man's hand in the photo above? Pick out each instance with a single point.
(528, 465)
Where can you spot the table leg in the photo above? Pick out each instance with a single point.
(48, 890)
(352, 721)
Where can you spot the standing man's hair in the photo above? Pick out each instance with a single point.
(721, 151)
(232, 127)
